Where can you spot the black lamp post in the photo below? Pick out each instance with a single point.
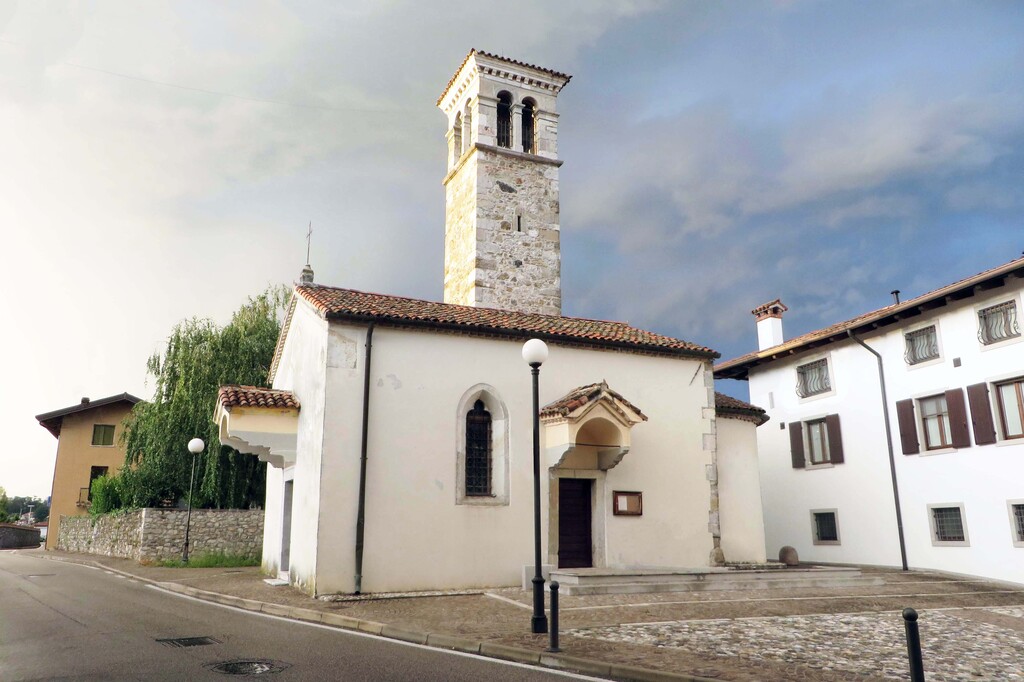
(195, 446)
(535, 352)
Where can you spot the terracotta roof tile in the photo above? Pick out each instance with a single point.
(737, 367)
(514, 62)
(345, 304)
(254, 396)
(578, 397)
(729, 407)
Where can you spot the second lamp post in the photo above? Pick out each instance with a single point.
(535, 352)
(195, 446)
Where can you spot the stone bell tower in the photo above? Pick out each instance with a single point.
(501, 189)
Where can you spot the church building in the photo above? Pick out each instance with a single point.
(399, 432)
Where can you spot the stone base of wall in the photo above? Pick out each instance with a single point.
(159, 534)
(13, 536)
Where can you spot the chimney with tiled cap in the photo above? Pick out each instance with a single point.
(769, 323)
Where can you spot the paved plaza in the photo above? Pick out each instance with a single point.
(971, 630)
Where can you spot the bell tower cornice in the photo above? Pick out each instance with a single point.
(497, 67)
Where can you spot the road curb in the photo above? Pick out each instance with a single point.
(587, 666)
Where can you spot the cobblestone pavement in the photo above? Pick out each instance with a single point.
(955, 648)
(972, 629)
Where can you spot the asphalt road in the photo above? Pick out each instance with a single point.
(72, 622)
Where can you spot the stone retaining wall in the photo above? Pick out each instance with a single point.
(12, 536)
(158, 534)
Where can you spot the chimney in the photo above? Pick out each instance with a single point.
(307, 275)
(895, 296)
(769, 324)
(85, 400)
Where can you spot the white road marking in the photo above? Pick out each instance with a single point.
(552, 671)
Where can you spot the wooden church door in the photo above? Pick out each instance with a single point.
(574, 523)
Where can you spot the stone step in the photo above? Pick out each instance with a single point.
(738, 584)
(597, 576)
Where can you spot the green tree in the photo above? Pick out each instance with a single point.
(4, 518)
(199, 358)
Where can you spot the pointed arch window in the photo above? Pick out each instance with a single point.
(529, 120)
(478, 450)
(505, 120)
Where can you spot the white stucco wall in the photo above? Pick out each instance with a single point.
(416, 536)
(739, 491)
(302, 370)
(982, 478)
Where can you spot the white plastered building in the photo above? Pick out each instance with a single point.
(952, 363)
(399, 432)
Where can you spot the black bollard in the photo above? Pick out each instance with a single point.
(913, 645)
(553, 632)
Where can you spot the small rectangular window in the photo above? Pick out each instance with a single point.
(1017, 523)
(998, 323)
(948, 525)
(813, 379)
(826, 527)
(103, 434)
(1010, 396)
(935, 422)
(922, 345)
(817, 441)
(94, 473)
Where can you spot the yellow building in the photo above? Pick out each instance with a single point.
(87, 447)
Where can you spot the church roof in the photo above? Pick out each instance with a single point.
(356, 306)
(733, 408)
(233, 395)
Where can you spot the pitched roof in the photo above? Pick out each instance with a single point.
(513, 62)
(733, 408)
(895, 313)
(578, 397)
(233, 395)
(356, 306)
(52, 421)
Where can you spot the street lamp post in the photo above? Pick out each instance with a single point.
(195, 446)
(535, 352)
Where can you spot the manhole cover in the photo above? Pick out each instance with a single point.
(250, 666)
(183, 642)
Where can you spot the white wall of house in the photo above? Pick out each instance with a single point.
(739, 490)
(981, 478)
(417, 535)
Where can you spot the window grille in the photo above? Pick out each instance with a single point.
(812, 378)
(1011, 408)
(478, 450)
(949, 526)
(935, 419)
(825, 527)
(922, 345)
(529, 112)
(998, 323)
(1018, 521)
(505, 120)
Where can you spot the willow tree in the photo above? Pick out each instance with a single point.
(199, 357)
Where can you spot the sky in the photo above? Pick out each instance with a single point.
(162, 161)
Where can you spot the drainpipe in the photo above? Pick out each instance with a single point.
(361, 514)
(888, 441)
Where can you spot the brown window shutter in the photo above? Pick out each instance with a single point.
(908, 428)
(958, 418)
(796, 443)
(981, 414)
(835, 439)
